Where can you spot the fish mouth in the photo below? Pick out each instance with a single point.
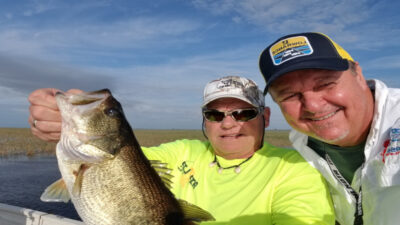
(83, 98)
(72, 104)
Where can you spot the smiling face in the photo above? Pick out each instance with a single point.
(333, 106)
(231, 139)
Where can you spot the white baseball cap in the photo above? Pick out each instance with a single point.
(233, 87)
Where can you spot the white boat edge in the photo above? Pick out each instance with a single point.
(14, 215)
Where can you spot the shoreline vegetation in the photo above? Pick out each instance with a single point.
(20, 141)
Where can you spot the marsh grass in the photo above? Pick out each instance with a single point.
(278, 138)
(17, 141)
(20, 141)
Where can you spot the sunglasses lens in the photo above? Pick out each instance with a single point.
(245, 114)
(214, 115)
(241, 115)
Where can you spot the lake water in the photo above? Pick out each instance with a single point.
(23, 180)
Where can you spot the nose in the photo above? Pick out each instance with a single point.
(228, 122)
(312, 102)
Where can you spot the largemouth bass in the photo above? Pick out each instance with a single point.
(104, 171)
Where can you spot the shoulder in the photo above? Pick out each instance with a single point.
(178, 147)
(383, 92)
(288, 154)
(183, 144)
(287, 161)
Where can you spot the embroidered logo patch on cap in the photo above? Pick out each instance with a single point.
(290, 48)
(233, 87)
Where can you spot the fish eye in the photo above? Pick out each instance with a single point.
(112, 112)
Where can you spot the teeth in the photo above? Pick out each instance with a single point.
(324, 117)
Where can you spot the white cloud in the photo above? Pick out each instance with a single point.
(35, 7)
(19, 41)
(123, 34)
(387, 62)
(25, 74)
(170, 94)
(291, 16)
(215, 7)
(9, 15)
(156, 61)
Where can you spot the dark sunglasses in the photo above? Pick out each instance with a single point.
(239, 115)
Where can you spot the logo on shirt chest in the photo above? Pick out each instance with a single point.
(188, 175)
(391, 145)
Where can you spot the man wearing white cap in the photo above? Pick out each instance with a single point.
(346, 127)
(234, 175)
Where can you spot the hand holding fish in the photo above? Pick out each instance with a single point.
(104, 171)
(45, 117)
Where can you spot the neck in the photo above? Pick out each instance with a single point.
(236, 155)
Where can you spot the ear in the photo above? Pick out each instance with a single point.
(267, 114)
(360, 77)
(203, 128)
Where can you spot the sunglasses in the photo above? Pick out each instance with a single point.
(239, 115)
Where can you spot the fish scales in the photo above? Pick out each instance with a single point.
(112, 191)
(107, 176)
(110, 178)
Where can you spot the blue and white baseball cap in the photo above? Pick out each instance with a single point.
(301, 51)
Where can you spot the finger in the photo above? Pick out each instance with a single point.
(50, 137)
(45, 130)
(47, 126)
(44, 97)
(43, 113)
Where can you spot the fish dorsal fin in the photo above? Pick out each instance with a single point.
(56, 192)
(163, 171)
(194, 213)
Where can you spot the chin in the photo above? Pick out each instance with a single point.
(231, 148)
(333, 139)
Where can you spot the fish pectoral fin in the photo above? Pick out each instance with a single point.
(76, 189)
(163, 171)
(194, 213)
(56, 192)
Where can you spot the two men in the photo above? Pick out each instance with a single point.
(235, 175)
(346, 127)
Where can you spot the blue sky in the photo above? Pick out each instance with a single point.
(156, 56)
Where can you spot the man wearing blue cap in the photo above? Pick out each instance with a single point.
(344, 126)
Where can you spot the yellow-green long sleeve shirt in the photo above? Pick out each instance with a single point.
(275, 186)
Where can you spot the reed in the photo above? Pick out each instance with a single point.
(18, 141)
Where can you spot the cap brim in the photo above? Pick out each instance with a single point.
(328, 64)
(218, 96)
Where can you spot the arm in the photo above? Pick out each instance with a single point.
(45, 111)
(167, 152)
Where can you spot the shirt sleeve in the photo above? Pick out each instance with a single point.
(166, 153)
(301, 197)
(172, 152)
